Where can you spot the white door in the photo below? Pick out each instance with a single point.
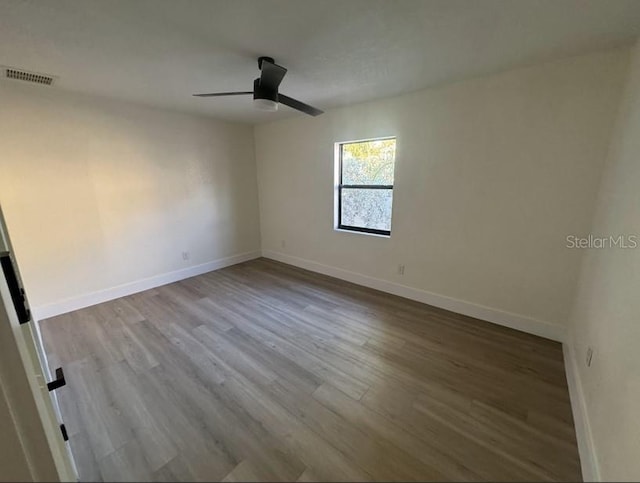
(22, 337)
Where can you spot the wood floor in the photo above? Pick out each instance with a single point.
(262, 371)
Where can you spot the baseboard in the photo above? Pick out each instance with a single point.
(93, 298)
(586, 448)
(541, 328)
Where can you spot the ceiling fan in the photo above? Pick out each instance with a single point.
(265, 90)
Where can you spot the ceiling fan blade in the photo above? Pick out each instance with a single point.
(300, 106)
(221, 94)
(271, 75)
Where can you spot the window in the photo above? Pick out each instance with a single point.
(365, 185)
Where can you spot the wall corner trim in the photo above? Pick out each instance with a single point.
(530, 325)
(586, 447)
(93, 298)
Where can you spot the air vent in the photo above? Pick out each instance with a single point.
(26, 76)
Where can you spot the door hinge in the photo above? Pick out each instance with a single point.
(63, 430)
(17, 293)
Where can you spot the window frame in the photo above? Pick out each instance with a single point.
(340, 186)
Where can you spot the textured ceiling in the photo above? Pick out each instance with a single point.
(159, 52)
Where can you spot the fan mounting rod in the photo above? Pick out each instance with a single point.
(268, 59)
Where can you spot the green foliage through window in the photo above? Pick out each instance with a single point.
(366, 185)
(368, 162)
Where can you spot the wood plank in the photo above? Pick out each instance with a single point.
(266, 372)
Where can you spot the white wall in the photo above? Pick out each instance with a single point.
(99, 193)
(491, 175)
(606, 315)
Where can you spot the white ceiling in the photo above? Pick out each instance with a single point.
(159, 52)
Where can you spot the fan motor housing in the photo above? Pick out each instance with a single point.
(260, 92)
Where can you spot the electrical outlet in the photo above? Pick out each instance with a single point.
(283, 243)
(589, 356)
(401, 269)
(185, 255)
